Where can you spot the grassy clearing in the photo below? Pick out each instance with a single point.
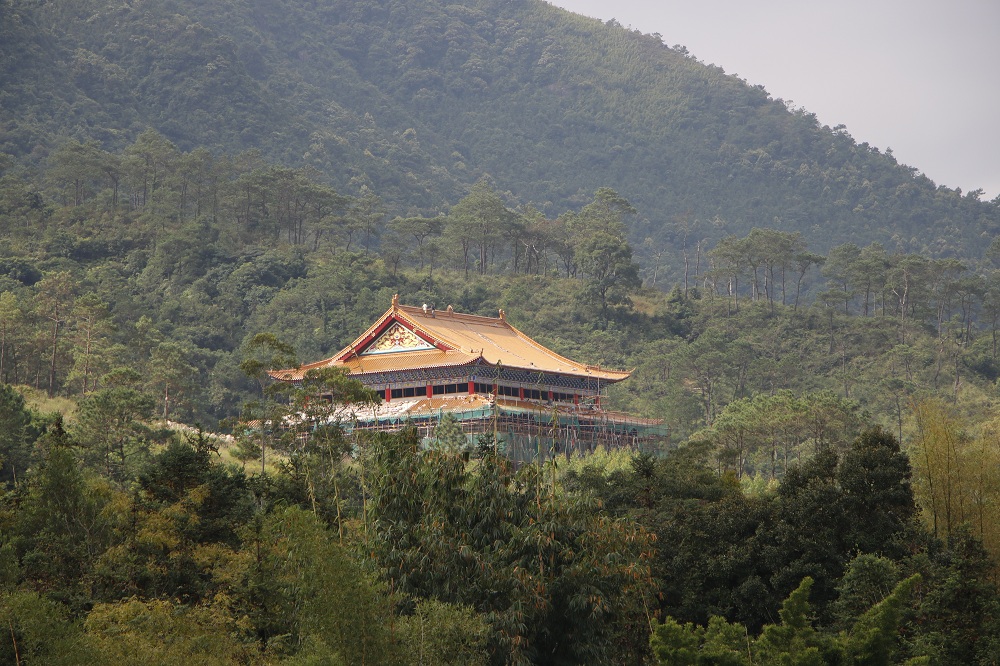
(39, 401)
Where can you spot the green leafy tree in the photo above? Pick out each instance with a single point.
(145, 167)
(112, 427)
(128, 632)
(92, 324)
(449, 436)
(395, 249)
(956, 622)
(204, 503)
(839, 269)
(11, 321)
(302, 595)
(171, 367)
(54, 303)
(794, 640)
(873, 639)
(262, 354)
(601, 249)
(444, 534)
(18, 431)
(323, 407)
(478, 222)
(312, 568)
(368, 214)
(870, 277)
(40, 631)
(440, 633)
(75, 168)
(869, 578)
(719, 644)
(422, 231)
(63, 525)
(728, 265)
(874, 477)
(942, 471)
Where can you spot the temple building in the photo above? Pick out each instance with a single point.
(489, 375)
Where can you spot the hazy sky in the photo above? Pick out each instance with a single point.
(921, 77)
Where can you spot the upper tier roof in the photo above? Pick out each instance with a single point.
(429, 338)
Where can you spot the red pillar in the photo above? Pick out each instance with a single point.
(430, 391)
(576, 399)
(472, 387)
(388, 394)
(520, 393)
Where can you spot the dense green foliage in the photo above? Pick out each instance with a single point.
(559, 583)
(871, 641)
(418, 100)
(150, 294)
(429, 555)
(838, 529)
(168, 262)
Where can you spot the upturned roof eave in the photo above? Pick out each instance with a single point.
(441, 341)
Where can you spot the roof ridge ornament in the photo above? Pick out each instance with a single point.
(503, 316)
(395, 301)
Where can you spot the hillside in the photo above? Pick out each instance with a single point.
(418, 100)
(192, 193)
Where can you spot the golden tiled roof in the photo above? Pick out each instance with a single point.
(457, 339)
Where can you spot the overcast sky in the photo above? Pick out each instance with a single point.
(921, 77)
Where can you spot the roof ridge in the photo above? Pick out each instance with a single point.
(453, 314)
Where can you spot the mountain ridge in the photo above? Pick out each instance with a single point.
(417, 101)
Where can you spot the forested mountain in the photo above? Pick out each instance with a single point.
(418, 100)
(190, 192)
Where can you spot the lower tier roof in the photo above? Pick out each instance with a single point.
(479, 407)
